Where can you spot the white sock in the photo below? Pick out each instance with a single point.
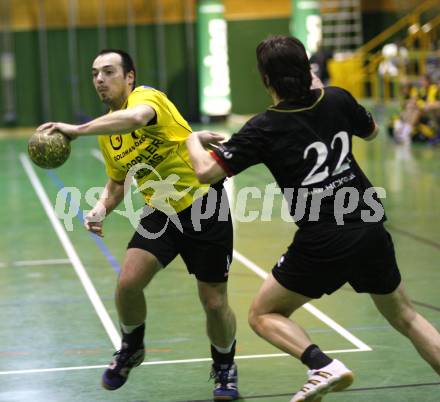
(128, 329)
(224, 350)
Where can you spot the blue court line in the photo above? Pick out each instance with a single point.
(80, 215)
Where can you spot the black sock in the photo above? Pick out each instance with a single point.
(314, 358)
(134, 340)
(223, 359)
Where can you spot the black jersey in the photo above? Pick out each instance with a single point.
(307, 146)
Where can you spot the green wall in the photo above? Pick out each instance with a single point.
(29, 86)
(248, 94)
(28, 78)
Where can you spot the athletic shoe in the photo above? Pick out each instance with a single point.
(225, 379)
(124, 360)
(332, 378)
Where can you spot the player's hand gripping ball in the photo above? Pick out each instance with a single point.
(49, 151)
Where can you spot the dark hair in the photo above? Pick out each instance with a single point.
(126, 61)
(284, 66)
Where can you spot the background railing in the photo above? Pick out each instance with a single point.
(398, 54)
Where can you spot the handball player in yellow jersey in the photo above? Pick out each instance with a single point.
(143, 135)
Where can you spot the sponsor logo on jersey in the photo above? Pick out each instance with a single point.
(116, 141)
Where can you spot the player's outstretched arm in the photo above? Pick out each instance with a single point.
(207, 170)
(120, 121)
(110, 198)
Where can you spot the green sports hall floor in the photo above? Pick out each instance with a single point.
(58, 319)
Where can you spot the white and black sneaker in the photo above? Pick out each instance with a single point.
(332, 378)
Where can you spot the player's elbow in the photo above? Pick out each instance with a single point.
(373, 135)
(140, 119)
(141, 116)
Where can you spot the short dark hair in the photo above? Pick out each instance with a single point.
(126, 61)
(284, 66)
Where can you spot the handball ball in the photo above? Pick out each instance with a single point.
(48, 151)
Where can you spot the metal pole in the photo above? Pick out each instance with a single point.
(160, 46)
(73, 58)
(131, 31)
(7, 64)
(44, 68)
(102, 32)
(188, 13)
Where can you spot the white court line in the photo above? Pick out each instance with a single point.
(311, 309)
(97, 154)
(30, 263)
(71, 253)
(164, 362)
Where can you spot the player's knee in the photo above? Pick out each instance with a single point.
(254, 319)
(128, 284)
(404, 320)
(214, 304)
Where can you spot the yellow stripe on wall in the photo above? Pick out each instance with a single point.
(257, 9)
(389, 5)
(25, 12)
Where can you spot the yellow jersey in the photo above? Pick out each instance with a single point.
(425, 95)
(156, 154)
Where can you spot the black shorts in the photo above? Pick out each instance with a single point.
(322, 260)
(205, 244)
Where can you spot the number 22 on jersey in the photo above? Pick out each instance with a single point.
(322, 154)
